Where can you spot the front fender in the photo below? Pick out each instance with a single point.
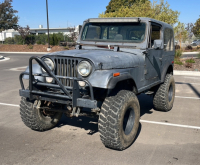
(105, 79)
(36, 69)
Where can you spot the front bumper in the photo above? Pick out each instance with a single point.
(70, 95)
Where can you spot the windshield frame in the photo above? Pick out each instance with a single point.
(113, 42)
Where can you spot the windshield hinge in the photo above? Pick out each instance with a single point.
(78, 46)
(116, 48)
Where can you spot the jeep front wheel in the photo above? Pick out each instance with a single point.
(37, 119)
(119, 120)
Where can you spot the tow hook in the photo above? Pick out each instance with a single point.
(37, 104)
(75, 112)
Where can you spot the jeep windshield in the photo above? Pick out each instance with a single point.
(114, 32)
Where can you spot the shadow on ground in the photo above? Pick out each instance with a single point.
(91, 124)
(146, 104)
(86, 123)
(191, 87)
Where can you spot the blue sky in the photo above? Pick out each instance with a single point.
(63, 13)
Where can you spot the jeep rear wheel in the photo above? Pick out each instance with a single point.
(37, 119)
(164, 96)
(119, 120)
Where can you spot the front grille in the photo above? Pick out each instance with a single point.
(66, 67)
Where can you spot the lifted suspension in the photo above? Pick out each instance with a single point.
(68, 111)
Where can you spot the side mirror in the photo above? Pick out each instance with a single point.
(157, 44)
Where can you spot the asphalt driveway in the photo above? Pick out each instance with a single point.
(163, 138)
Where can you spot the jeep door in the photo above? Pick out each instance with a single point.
(169, 49)
(153, 58)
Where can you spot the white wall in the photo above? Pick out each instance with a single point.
(11, 32)
(7, 34)
(2, 36)
(51, 31)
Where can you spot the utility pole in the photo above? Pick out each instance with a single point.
(48, 49)
(2, 15)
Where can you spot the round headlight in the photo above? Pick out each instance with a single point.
(84, 68)
(49, 63)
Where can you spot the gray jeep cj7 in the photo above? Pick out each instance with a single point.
(115, 60)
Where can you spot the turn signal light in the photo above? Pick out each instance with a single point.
(116, 74)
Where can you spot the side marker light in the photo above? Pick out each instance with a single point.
(116, 74)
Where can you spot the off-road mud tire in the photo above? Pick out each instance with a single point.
(111, 120)
(34, 119)
(165, 94)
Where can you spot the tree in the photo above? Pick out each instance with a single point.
(24, 32)
(188, 28)
(196, 28)
(159, 11)
(180, 32)
(8, 19)
(73, 35)
(115, 5)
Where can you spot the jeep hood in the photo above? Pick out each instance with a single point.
(103, 59)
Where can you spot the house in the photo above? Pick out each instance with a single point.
(8, 33)
(41, 30)
(37, 31)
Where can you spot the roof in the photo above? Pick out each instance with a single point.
(127, 19)
(52, 28)
(10, 31)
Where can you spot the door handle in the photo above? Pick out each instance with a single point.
(160, 59)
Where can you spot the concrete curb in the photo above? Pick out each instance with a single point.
(186, 73)
(190, 53)
(1, 57)
(25, 52)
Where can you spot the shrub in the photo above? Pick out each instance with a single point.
(189, 47)
(177, 47)
(9, 40)
(53, 39)
(178, 53)
(178, 62)
(66, 47)
(67, 38)
(30, 46)
(18, 40)
(191, 60)
(60, 37)
(38, 42)
(188, 65)
(41, 38)
(30, 39)
(56, 38)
